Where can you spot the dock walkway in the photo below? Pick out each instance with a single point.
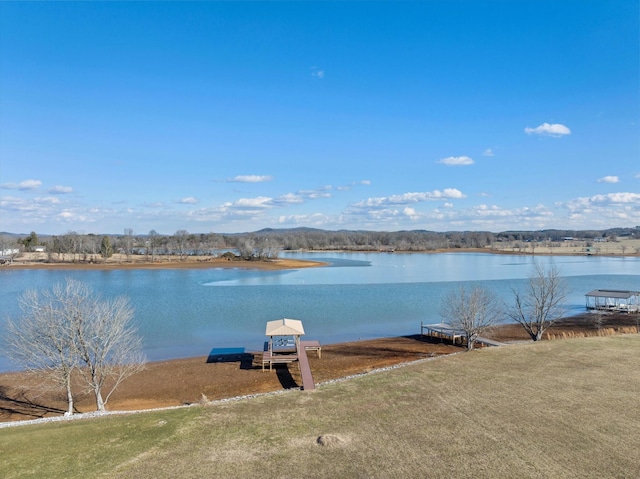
(489, 342)
(303, 362)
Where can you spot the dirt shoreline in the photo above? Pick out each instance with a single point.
(178, 382)
(165, 263)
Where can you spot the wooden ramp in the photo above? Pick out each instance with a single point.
(305, 369)
(489, 342)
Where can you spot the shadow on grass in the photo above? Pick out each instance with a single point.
(17, 404)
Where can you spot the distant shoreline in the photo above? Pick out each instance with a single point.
(120, 261)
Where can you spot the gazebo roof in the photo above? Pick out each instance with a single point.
(285, 327)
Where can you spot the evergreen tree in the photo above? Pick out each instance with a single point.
(106, 250)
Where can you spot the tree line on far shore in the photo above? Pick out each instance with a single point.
(267, 243)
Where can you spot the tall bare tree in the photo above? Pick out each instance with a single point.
(41, 341)
(69, 330)
(541, 303)
(181, 238)
(108, 347)
(152, 244)
(473, 311)
(128, 242)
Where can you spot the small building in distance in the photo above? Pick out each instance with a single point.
(613, 300)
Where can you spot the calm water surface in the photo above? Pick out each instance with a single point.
(184, 313)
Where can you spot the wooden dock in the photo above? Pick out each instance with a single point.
(270, 357)
(443, 330)
(312, 345)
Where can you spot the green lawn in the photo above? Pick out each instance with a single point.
(555, 409)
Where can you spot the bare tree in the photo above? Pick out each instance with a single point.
(597, 318)
(128, 242)
(246, 248)
(541, 303)
(472, 311)
(71, 330)
(181, 238)
(152, 244)
(107, 345)
(41, 341)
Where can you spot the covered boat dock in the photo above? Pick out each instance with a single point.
(446, 331)
(613, 300)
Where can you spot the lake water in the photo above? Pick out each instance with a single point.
(183, 313)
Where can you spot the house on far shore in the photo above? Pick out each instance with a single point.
(613, 300)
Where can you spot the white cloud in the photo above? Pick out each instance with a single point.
(487, 152)
(318, 73)
(637, 176)
(60, 190)
(609, 179)
(189, 200)
(289, 199)
(23, 185)
(617, 199)
(548, 129)
(355, 183)
(48, 200)
(397, 211)
(259, 202)
(29, 185)
(410, 198)
(317, 220)
(456, 161)
(322, 192)
(409, 211)
(591, 204)
(250, 179)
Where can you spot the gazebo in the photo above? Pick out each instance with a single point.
(284, 341)
(284, 346)
(287, 331)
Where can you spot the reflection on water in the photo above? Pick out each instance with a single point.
(360, 295)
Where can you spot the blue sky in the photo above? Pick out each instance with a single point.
(236, 116)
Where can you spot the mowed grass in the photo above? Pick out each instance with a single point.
(556, 409)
